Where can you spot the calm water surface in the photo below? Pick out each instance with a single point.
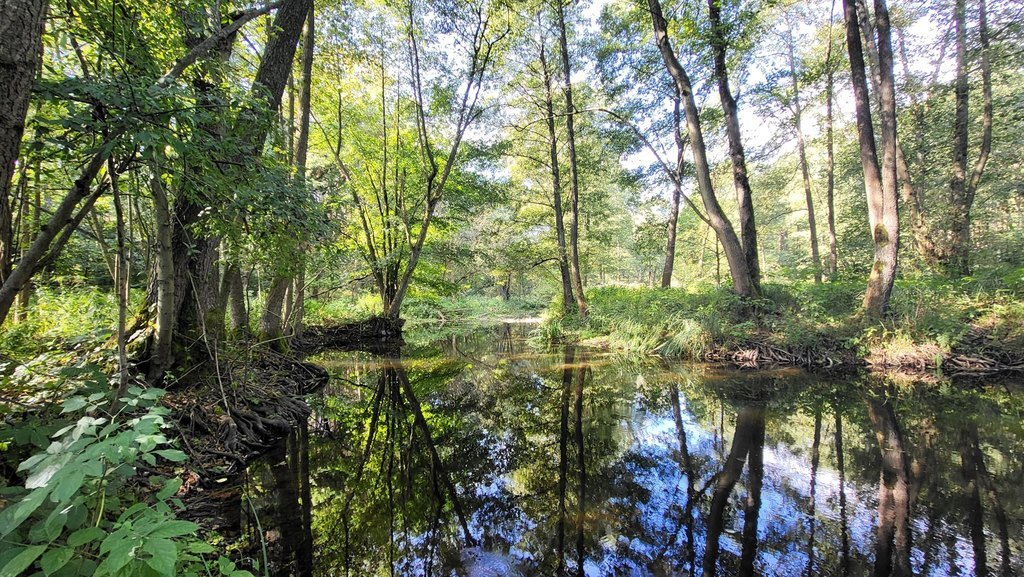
(477, 455)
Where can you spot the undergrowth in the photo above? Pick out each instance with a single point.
(72, 500)
(930, 313)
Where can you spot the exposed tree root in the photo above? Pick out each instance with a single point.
(375, 334)
(227, 421)
(756, 354)
(971, 359)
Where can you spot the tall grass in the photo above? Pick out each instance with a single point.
(925, 311)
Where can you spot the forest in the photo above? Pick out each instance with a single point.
(301, 228)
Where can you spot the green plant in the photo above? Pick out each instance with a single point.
(71, 516)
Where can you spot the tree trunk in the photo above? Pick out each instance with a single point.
(271, 324)
(805, 171)
(274, 318)
(556, 187)
(830, 167)
(237, 302)
(743, 281)
(574, 180)
(301, 152)
(677, 193)
(744, 202)
(25, 294)
(963, 189)
(879, 181)
(958, 178)
(20, 56)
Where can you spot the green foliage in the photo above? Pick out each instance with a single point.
(63, 316)
(81, 510)
(926, 311)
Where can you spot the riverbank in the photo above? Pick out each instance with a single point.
(958, 328)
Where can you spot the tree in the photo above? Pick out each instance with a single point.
(801, 148)
(574, 177)
(274, 318)
(748, 229)
(21, 54)
(391, 178)
(963, 188)
(564, 270)
(73, 207)
(744, 281)
(879, 180)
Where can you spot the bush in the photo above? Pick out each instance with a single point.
(71, 515)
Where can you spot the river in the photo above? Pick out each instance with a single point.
(477, 454)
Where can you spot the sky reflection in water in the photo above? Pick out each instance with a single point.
(479, 456)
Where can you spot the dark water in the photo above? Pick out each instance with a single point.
(480, 456)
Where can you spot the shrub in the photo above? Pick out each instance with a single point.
(70, 517)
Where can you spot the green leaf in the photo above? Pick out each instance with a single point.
(164, 555)
(86, 535)
(55, 559)
(173, 529)
(173, 455)
(201, 547)
(72, 404)
(41, 477)
(69, 485)
(22, 561)
(170, 488)
(14, 515)
(119, 552)
(225, 565)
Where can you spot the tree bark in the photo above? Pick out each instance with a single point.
(879, 181)
(21, 51)
(744, 202)
(574, 178)
(271, 330)
(238, 307)
(25, 294)
(743, 281)
(912, 191)
(301, 153)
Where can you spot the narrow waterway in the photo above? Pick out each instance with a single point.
(478, 455)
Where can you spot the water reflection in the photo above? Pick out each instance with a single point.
(477, 455)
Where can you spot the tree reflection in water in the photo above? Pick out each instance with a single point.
(481, 456)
